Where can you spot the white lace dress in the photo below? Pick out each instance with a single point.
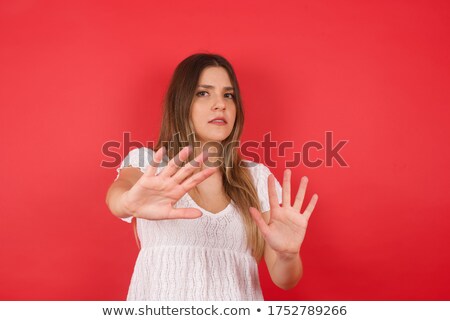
(196, 259)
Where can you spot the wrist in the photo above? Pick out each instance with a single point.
(288, 256)
(124, 206)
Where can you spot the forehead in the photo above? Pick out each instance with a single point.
(215, 76)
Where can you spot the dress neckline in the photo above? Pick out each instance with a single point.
(222, 212)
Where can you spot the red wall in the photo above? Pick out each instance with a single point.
(75, 75)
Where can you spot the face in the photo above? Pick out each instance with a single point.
(213, 99)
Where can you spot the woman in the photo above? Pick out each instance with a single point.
(203, 229)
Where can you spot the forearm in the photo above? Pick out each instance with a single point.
(286, 272)
(114, 198)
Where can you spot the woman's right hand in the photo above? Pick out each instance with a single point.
(153, 196)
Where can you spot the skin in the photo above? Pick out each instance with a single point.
(284, 229)
(209, 103)
(151, 196)
(214, 100)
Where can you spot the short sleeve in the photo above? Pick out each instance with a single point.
(139, 158)
(262, 174)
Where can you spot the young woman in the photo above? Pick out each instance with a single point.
(203, 222)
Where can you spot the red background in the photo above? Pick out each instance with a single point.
(75, 75)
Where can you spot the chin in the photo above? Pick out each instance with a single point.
(215, 139)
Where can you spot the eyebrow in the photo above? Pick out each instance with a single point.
(210, 86)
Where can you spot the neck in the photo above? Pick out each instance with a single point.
(212, 150)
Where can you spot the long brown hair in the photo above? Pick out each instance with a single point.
(176, 131)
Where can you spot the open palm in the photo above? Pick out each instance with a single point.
(286, 228)
(153, 196)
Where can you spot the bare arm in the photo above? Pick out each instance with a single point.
(283, 229)
(128, 176)
(151, 196)
(285, 270)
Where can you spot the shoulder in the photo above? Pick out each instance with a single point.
(260, 174)
(139, 152)
(139, 158)
(257, 170)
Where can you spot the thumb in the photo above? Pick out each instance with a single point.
(189, 213)
(257, 217)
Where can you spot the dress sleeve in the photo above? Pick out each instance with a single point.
(139, 158)
(262, 173)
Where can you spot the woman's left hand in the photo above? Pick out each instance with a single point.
(286, 228)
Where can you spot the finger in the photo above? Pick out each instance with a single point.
(157, 157)
(189, 168)
(310, 208)
(300, 194)
(198, 178)
(175, 163)
(188, 213)
(273, 198)
(257, 217)
(286, 200)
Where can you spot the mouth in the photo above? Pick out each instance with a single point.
(218, 121)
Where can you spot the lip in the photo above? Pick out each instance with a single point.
(218, 118)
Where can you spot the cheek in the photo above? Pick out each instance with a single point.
(233, 113)
(197, 117)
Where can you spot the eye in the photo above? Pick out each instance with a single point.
(201, 94)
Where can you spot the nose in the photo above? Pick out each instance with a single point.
(219, 104)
